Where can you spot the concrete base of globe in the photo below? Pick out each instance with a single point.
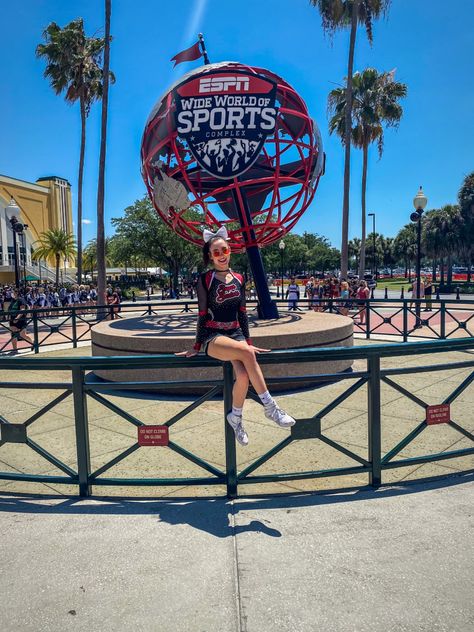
(170, 333)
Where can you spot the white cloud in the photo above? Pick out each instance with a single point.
(87, 221)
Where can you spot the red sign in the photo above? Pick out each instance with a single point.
(153, 435)
(439, 414)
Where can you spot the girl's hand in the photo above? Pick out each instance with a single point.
(187, 354)
(260, 350)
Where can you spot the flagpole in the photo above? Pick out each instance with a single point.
(203, 49)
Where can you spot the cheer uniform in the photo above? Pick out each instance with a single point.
(222, 310)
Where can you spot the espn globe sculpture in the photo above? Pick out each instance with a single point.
(234, 145)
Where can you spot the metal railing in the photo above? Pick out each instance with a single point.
(81, 388)
(380, 317)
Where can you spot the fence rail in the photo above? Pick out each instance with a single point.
(82, 389)
(372, 317)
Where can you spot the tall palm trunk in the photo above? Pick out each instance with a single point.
(101, 280)
(58, 260)
(433, 271)
(347, 143)
(365, 152)
(441, 271)
(79, 189)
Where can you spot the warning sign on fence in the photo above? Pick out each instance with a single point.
(153, 435)
(439, 414)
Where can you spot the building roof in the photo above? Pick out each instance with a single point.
(53, 178)
(32, 185)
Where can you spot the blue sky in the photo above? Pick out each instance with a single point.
(429, 42)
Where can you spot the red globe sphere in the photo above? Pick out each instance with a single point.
(198, 179)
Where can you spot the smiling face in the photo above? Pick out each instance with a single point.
(219, 253)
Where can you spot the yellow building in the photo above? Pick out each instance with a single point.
(43, 205)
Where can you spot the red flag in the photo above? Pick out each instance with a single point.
(190, 54)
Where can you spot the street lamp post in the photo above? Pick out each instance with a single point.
(419, 202)
(12, 210)
(281, 246)
(374, 268)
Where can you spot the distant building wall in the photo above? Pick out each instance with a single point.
(44, 205)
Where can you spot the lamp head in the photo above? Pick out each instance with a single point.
(281, 245)
(12, 210)
(420, 200)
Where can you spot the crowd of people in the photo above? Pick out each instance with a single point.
(321, 292)
(48, 296)
(15, 304)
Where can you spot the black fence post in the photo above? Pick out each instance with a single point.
(134, 298)
(82, 431)
(35, 332)
(437, 293)
(230, 453)
(443, 320)
(372, 293)
(386, 293)
(402, 293)
(458, 298)
(374, 429)
(405, 320)
(367, 318)
(74, 328)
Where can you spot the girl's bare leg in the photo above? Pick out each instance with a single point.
(241, 384)
(25, 337)
(228, 350)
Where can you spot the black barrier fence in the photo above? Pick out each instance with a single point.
(441, 319)
(80, 461)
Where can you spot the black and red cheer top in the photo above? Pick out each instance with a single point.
(221, 307)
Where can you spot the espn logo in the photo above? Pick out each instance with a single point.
(223, 84)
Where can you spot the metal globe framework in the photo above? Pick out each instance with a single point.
(278, 187)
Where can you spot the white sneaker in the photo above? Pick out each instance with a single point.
(276, 414)
(236, 423)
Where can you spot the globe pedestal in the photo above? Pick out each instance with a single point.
(170, 333)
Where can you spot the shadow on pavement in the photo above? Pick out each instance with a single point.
(212, 515)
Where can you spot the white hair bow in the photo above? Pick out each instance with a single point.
(208, 234)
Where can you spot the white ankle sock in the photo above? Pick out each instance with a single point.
(237, 411)
(266, 399)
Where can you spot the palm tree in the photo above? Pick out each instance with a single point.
(404, 247)
(54, 245)
(354, 251)
(73, 64)
(101, 280)
(443, 236)
(90, 253)
(375, 105)
(338, 14)
(432, 240)
(466, 204)
(387, 251)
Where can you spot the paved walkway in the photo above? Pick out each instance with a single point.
(399, 559)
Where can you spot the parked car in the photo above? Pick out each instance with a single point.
(371, 282)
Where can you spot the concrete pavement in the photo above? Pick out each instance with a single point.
(398, 559)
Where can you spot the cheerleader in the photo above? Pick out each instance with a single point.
(223, 332)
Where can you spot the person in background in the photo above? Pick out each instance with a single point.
(345, 304)
(414, 291)
(18, 322)
(309, 290)
(293, 294)
(363, 294)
